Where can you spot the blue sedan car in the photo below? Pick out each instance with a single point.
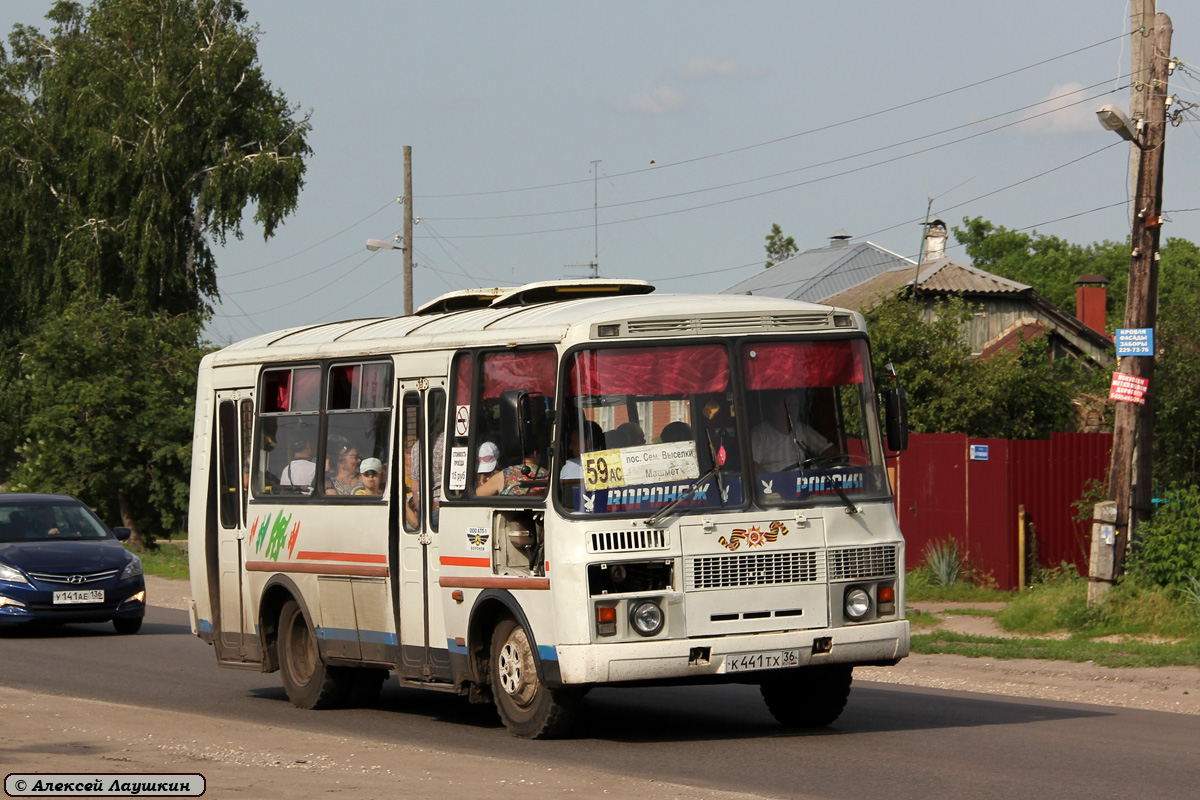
(60, 563)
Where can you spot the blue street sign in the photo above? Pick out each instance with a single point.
(1135, 342)
(979, 452)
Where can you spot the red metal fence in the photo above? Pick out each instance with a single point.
(943, 492)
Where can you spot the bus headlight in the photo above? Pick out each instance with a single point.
(646, 617)
(858, 604)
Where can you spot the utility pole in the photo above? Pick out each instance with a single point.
(1129, 478)
(408, 232)
(1141, 26)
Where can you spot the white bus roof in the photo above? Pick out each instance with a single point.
(542, 312)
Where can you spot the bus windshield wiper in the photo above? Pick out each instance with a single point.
(836, 485)
(657, 516)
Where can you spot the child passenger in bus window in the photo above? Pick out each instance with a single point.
(371, 474)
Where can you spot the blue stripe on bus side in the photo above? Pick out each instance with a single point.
(353, 635)
(547, 653)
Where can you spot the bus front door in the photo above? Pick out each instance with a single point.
(234, 635)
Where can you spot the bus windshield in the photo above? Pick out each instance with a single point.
(650, 427)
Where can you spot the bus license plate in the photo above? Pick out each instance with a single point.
(79, 596)
(772, 659)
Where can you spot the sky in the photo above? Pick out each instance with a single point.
(661, 140)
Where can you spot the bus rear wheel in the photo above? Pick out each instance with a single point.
(309, 682)
(808, 697)
(527, 707)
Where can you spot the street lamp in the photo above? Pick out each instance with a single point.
(1114, 119)
(382, 244)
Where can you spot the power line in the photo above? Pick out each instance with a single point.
(808, 132)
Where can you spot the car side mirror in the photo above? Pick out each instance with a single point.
(122, 533)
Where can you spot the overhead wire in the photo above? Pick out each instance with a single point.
(788, 137)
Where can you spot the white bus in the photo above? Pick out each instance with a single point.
(517, 494)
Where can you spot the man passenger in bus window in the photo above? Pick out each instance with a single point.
(771, 441)
(302, 469)
(633, 434)
(579, 441)
(345, 461)
(517, 479)
(371, 474)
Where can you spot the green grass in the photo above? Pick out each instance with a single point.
(1106, 654)
(970, 612)
(165, 561)
(922, 585)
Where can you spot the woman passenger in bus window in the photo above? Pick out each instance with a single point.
(515, 480)
(345, 459)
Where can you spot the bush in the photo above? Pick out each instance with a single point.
(946, 560)
(1166, 549)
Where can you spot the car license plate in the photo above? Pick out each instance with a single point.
(79, 596)
(771, 659)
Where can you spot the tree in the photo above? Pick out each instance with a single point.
(1012, 395)
(779, 248)
(110, 397)
(131, 137)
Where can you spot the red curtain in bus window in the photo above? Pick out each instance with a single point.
(529, 370)
(784, 365)
(276, 390)
(306, 389)
(464, 377)
(651, 371)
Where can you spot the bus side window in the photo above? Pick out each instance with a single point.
(288, 431)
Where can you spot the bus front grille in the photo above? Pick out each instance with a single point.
(754, 569)
(858, 563)
(628, 541)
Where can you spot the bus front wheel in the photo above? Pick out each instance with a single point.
(309, 682)
(808, 697)
(527, 707)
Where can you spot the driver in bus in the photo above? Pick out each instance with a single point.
(772, 442)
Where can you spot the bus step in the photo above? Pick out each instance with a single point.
(436, 685)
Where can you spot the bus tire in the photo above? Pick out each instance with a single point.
(527, 707)
(309, 682)
(808, 697)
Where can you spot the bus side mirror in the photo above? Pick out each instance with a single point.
(896, 419)
(524, 418)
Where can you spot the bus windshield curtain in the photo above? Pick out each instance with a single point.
(650, 371)
(785, 365)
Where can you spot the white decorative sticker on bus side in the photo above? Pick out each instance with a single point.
(639, 466)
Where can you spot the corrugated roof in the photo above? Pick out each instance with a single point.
(948, 275)
(816, 275)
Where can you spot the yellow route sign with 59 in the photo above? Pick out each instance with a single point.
(637, 466)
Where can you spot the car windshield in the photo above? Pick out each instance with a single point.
(49, 522)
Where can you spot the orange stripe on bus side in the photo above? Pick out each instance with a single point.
(491, 582)
(460, 561)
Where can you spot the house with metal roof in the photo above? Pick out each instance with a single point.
(816, 275)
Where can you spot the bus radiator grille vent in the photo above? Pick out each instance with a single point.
(627, 541)
(857, 563)
(754, 569)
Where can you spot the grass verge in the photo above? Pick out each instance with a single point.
(165, 561)
(1106, 654)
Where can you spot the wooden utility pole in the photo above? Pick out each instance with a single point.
(1141, 26)
(408, 232)
(1133, 432)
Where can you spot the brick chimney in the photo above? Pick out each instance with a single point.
(1090, 298)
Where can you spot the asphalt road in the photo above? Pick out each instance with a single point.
(892, 741)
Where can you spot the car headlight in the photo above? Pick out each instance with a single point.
(858, 604)
(12, 574)
(133, 568)
(646, 617)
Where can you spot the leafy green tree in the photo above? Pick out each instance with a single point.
(779, 247)
(1012, 395)
(131, 138)
(110, 398)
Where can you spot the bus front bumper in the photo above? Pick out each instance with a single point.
(874, 643)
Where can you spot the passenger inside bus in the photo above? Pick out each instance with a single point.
(782, 441)
(677, 431)
(343, 473)
(579, 441)
(632, 433)
(413, 511)
(486, 461)
(371, 474)
(302, 469)
(526, 478)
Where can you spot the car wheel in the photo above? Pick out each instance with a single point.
(309, 682)
(127, 625)
(807, 697)
(527, 707)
